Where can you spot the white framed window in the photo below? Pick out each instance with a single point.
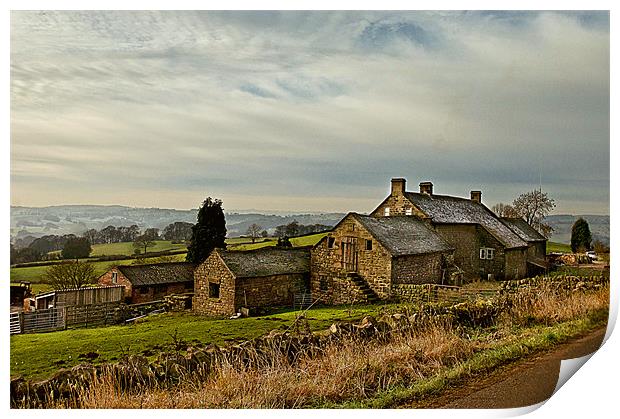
(114, 277)
(386, 212)
(487, 253)
(408, 211)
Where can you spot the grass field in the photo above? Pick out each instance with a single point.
(308, 240)
(558, 247)
(128, 249)
(40, 355)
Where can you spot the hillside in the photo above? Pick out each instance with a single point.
(562, 224)
(76, 219)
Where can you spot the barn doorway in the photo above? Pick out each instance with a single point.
(349, 254)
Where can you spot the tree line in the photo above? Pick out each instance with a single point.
(71, 246)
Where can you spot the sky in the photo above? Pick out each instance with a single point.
(308, 111)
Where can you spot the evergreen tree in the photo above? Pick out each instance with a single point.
(209, 232)
(580, 237)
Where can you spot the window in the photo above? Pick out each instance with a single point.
(386, 211)
(368, 244)
(330, 242)
(323, 282)
(144, 290)
(487, 253)
(214, 290)
(408, 211)
(114, 277)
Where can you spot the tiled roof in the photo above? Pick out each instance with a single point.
(264, 262)
(443, 209)
(158, 273)
(523, 229)
(404, 235)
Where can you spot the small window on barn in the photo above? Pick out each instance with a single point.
(214, 290)
(330, 242)
(487, 253)
(408, 211)
(323, 282)
(368, 244)
(114, 277)
(386, 211)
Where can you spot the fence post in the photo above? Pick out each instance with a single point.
(21, 322)
(64, 316)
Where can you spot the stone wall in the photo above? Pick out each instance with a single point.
(418, 269)
(213, 270)
(326, 267)
(516, 264)
(269, 291)
(145, 293)
(398, 205)
(537, 250)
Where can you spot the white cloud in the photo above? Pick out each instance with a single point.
(270, 106)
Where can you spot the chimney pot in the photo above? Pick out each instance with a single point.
(426, 187)
(398, 186)
(476, 196)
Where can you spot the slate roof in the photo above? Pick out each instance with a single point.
(403, 235)
(265, 262)
(158, 273)
(523, 229)
(443, 209)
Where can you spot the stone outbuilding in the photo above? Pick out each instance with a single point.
(536, 245)
(364, 259)
(151, 282)
(265, 278)
(485, 247)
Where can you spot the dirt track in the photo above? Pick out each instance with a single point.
(522, 384)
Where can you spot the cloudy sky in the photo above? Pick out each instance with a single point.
(307, 111)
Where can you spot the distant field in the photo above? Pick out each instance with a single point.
(128, 249)
(35, 274)
(309, 240)
(558, 247)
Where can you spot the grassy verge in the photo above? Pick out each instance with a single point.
(37, 356)
(558, 247)
(530, 340)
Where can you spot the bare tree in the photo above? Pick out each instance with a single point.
(504, 210)
(254, 232)
(70, 275)
(533, 207)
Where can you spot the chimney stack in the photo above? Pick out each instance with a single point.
(426, 187)
(398, 186)
(476, 196)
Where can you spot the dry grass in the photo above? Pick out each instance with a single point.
(347, 370)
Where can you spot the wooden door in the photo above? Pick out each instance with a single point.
(349, 254)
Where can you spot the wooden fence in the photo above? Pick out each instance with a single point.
(60, 318)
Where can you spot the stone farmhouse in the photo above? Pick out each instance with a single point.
(485, 246)
(145, 283)
(229, 280)
(365, 258)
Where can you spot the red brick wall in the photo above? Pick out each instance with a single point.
(106, 279)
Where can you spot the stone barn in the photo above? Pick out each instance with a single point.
(536, 245)
(229, 280)
(364, 259)
(151, 282)
(485, 247)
